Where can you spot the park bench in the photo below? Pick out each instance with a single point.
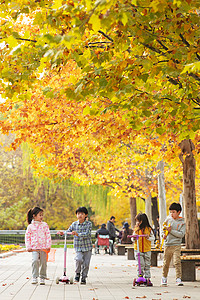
(130, 252)
(131, 256)
(121, 248)
(154, 254)
(188, 266)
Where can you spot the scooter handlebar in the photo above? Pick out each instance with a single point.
(136, 236)
(64, 232)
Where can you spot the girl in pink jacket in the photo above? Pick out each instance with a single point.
(38, 241)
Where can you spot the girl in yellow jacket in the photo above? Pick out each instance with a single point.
(143, 228)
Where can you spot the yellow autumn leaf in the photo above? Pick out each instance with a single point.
(95, 21)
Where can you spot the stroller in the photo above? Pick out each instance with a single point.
(102, 243)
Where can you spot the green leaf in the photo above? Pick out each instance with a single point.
(160, 130)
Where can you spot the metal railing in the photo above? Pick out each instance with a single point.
(17, 237)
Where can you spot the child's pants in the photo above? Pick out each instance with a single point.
(39, 264)
(169, 252)
(83, 262)
(145, 262)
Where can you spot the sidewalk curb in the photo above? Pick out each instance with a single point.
(7, 254)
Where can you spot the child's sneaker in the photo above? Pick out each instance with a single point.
(179, 282)
(77, 277)
(83, 281)
(42, 281)
(148, 282)
(34, 280)
(164, 281)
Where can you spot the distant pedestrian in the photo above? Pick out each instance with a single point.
(112, 232)
(38, 241)
(172, 233)
(143, 228)
(125, 232)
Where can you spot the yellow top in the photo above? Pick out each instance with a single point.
(144, 243)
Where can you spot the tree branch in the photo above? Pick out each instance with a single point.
(105, 35)
(23, 39)
(184, 40)
(174, 81)
(194, 76)
(166, 48)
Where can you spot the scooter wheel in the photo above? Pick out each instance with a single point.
(57, 280)
(71, 280)
(134, 281)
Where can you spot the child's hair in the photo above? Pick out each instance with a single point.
(145, 222)
(32, 211)
(175, 206)
(82, 209)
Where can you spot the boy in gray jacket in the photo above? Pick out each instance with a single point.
(173, 235)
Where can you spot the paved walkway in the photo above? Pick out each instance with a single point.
(110, 278)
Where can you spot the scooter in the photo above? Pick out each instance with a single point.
(65, 278)
(140, 280)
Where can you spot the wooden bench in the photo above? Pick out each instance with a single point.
(130, 252)
(121, 248)
(154, 254)
(188, 267)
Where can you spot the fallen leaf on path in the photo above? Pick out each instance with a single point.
(126, 297)
(165, 292)
(185, 296)
(158, 294)
(27, 277)
(141, 297)
(4, 284)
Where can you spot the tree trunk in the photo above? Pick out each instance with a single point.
(133, 210)
(154, 211)
(189, 194)
(148, 209)
(161, 193)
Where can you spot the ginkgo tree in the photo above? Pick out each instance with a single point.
(135, 59)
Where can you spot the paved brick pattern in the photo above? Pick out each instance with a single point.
(110, 278)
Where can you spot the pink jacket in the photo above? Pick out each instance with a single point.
(38, 236)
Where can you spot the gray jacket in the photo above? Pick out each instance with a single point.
(111, 228)
(174, 238)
